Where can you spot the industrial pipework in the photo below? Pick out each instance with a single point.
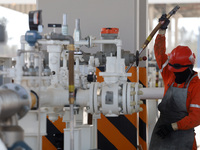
(63, 82)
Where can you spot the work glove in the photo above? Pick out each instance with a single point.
(164, 130)
(164, 21)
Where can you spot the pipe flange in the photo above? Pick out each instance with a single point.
(23, 94)
(137, 58)
(130, 98)
(124, 102)
(90, 102)
(97, 93)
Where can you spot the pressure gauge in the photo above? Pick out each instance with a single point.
(35, 19)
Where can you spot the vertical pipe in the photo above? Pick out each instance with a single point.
(143, 121)
(71, 127)
(119, 46)
(71, 93)
(39, 104)
(19, 71)
(71, 76)
(22, 48)
(64, 59)
(77, 31)
(64, 25)
(95, 132)
(137, 47)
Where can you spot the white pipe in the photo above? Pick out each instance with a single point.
(22, 39)
(19, 71)
(152, 93)
(53, 42)
(71, 127)
(39, 106)
(115, 41)
(54, 97)
(119, 46)
(81, 42)
(36, 62)
(77, 64)
(82, 97)
(64, 59)
(86, 42)
(95, 131)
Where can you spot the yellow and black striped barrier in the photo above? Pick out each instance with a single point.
(55, 135)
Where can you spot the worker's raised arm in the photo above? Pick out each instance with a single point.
(160, 50)
(160, 47)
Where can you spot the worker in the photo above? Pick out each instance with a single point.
(180, 106)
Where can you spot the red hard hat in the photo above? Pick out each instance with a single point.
(180, 59)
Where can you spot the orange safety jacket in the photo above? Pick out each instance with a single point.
(193, 95)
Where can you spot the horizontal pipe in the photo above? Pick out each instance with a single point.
(54, 97)
(11, 103)
(81, 42)
(115, 41)
(152, 93)
(55, 36)
(53, 42)
(82, 97)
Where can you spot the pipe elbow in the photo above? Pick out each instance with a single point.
(70, 39)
